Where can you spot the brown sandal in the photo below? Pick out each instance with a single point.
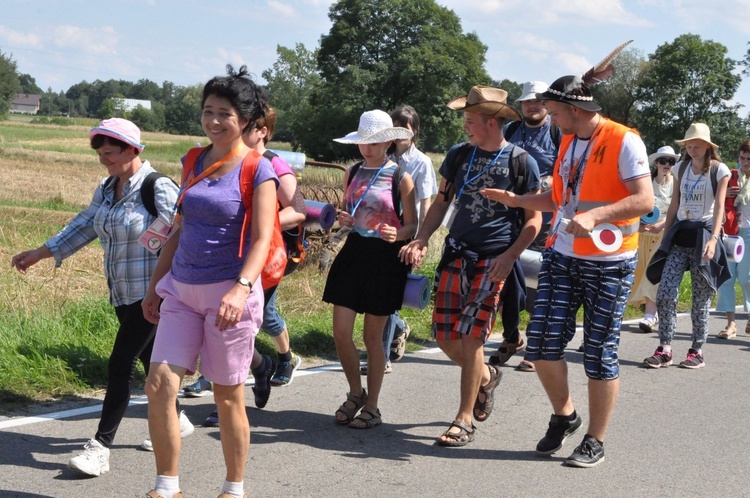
(351, 412)
(483, 409)
(505, 351)
(464, 436)
(526, 366)
(374, 418)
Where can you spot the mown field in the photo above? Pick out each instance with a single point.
(56, 325)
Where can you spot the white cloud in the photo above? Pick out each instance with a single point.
(18, 39)
(98, 41)
(282, 8)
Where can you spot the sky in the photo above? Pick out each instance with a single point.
(63, 42)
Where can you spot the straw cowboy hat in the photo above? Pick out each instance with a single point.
(665, 151)
(530, 89)
(375, 127)
(487, 101)
(697, 131)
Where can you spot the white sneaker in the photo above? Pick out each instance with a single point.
(186, 428)
(94, 461)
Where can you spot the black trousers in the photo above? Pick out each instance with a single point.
(134, 341)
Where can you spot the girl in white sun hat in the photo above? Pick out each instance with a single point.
(367, 276)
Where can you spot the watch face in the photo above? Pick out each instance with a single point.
(243, 281)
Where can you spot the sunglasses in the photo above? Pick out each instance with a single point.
(664, 160)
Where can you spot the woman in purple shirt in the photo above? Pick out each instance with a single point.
(213, 299)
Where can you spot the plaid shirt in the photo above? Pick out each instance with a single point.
(127, 264)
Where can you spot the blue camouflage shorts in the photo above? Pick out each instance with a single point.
(566, 283)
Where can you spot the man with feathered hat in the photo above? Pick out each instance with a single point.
(484, 242)
(601, 178)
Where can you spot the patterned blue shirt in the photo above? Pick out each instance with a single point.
(127, 264)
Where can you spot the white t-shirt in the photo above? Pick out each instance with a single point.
(697, 193)
(419, 166)
(632, 164)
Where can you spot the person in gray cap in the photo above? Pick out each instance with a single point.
(601, 176)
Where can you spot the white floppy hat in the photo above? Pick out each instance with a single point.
(698, 131)
(375, 127)
(665, 151)
(530, 89)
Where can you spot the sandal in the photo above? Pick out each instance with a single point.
(464, 436)
(729, 331)
(505, 351)
(483, 409)
(351, 412)
(526, 366)
(361, 422)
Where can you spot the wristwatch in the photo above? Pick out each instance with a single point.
(244, 281)
(545, 184)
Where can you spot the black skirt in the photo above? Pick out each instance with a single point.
(367, 276)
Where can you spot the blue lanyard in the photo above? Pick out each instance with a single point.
(468, 180)
(690, 194)
(368, 187)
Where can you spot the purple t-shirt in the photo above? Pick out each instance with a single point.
(213, 213)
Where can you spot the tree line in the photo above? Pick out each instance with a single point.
(382, 53)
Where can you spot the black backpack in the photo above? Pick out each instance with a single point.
(398, 175)
(148, 190)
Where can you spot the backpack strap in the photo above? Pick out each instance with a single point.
(269, 154)
(714, 172)
(148, 192)
(555, 134)
(247, 177)
(518, 165)
(511, 129)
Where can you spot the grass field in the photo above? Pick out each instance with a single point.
(56, 325)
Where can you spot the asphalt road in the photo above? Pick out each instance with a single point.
(674, 432)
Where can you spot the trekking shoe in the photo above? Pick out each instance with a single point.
(728, 332)
(647, 325)
(186, 428)
(658, 359)
(558, 431)
(589, 453)
(285, 371)
(388, 368)
(212, 420)
(694, 360)
(200, 388)
(94, 461)
(262, 387)
(398, 345)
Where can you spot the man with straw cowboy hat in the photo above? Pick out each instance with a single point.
(484, 241)
(601, 176)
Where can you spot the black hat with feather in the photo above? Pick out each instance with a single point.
(576, 90)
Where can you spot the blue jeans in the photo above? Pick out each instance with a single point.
(394, 327)
(273, 324)
(740, 272)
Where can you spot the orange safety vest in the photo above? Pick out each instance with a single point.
(600, 186)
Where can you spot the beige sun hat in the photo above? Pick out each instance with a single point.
(375, 127)
(485, 100)
(697, 131)
(665, 151)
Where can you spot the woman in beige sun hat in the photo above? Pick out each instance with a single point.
(367, 276)
(692, 241)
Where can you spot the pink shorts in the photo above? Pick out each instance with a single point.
(186, 330)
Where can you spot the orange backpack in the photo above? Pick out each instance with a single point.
(273, 270)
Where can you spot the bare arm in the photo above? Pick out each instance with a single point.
(536, 202)
(721, 193)
(413, 252)
(293, 210)
(502, 265)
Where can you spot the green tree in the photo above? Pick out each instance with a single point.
(183, 114)
(382, 53)
(618, 95)
(688, 80)
(289, 84)
(28, 85)
(9, 84)
(107, 109)
(149, 119)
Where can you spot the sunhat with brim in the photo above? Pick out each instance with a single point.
(487, 101)
(697, 131)
(571, 90)
(665, 151)
(120, 129)
(375, 127)
(530, 89)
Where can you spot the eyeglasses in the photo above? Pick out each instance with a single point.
(664, 160)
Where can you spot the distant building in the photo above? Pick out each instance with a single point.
(128, 105)
(26, 103)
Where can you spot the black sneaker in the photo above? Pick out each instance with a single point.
(262, 387)
(212, 420)
(589, 453)
(559, 429)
